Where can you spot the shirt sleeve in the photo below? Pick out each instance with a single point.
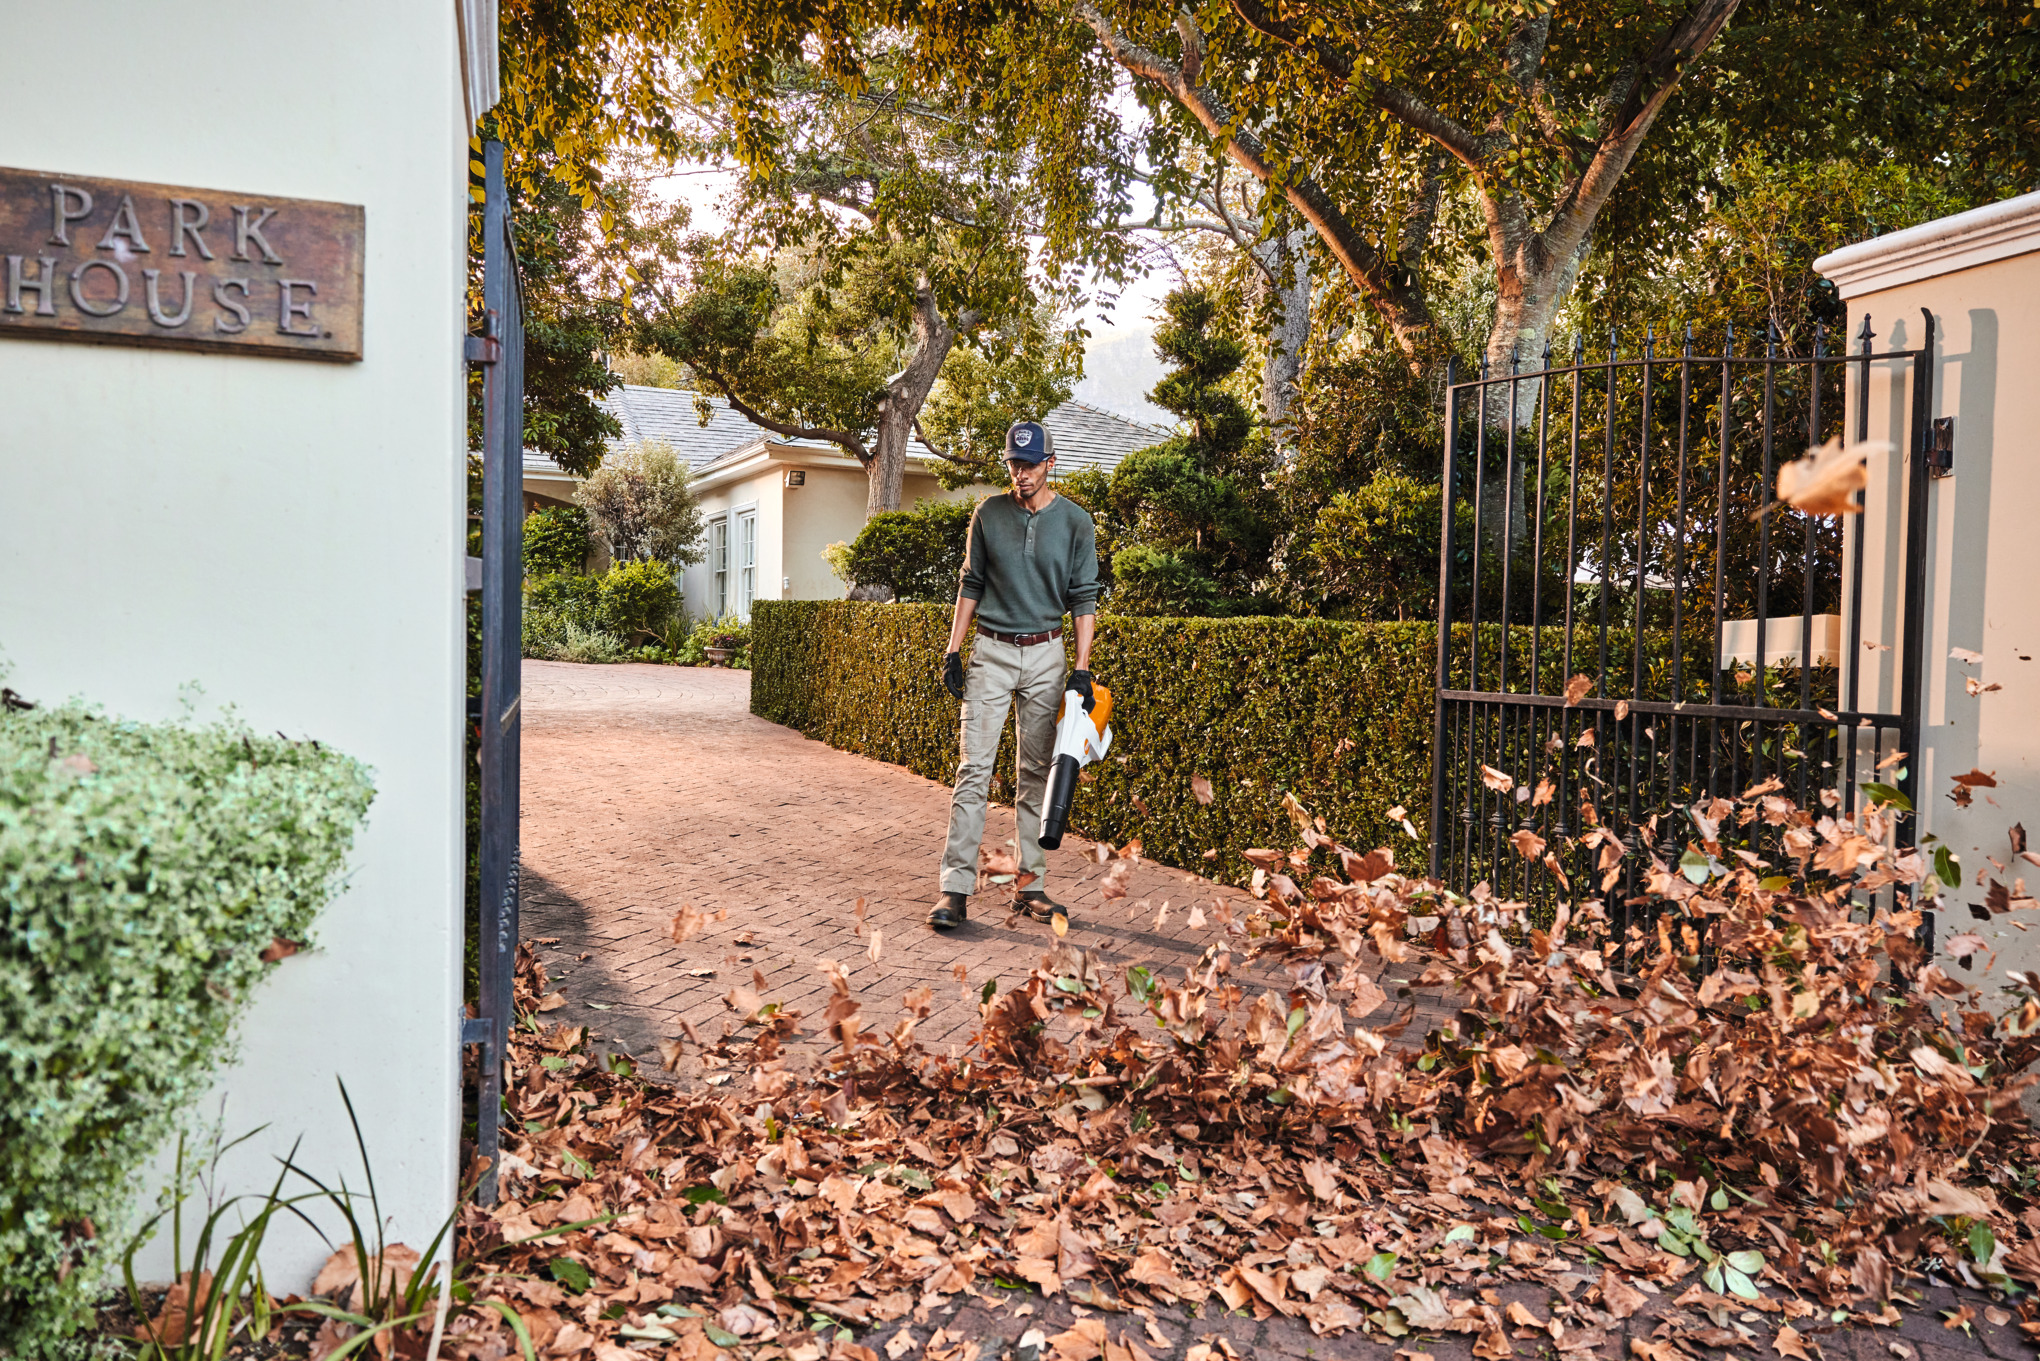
(1083, 587)
(970, 581)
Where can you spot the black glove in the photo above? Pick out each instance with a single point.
(952, 674)
(1080, 681)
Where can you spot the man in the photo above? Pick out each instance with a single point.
(1031, 557)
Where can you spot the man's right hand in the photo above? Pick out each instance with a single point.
(952, 674)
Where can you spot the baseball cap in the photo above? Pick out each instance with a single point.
(1028, 442)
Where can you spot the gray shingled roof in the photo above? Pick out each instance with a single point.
(1085, 437)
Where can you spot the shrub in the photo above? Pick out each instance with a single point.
(916, 554)
(578, 644)
(600, 618)
(153, 874)
(638, 600)
(1337, 713)
(1372, 552)
(556, 539)
(553, 602)
(643, 505)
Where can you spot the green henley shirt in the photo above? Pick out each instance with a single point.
(1026, 568)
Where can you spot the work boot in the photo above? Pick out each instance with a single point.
(949, 911)
(1037, 904)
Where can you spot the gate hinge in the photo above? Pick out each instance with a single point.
(476, 1030)
(483, 350)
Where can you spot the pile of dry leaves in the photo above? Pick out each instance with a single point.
(1765, 1098)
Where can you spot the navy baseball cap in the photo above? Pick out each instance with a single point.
(1028, 442)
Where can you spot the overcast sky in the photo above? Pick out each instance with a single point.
(1119, 358)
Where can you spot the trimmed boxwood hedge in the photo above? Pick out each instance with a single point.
(1338, 714)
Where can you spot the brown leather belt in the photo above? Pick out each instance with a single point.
(1021, 639)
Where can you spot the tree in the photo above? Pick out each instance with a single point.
(1193, 517)
(643, 505)
(914, 219)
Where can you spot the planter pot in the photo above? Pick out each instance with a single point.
(719, 656)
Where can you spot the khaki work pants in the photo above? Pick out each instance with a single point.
(1029, 681)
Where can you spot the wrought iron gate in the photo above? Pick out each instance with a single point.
(1616, 519)
(500, 352)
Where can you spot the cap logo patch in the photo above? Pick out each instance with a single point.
(1023, 438)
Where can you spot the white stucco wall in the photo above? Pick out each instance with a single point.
(1983, 553)
(176, 518)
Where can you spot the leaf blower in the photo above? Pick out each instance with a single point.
(1081, 737)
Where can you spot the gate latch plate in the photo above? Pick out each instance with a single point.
(1941, 446)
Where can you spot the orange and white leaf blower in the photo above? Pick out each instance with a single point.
(1081, 737)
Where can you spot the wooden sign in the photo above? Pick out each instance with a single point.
(123, 263)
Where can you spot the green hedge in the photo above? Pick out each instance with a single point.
(1337, 713)
(144, 870)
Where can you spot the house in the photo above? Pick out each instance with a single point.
(771, 505)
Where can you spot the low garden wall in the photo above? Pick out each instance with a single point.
(1339, 714)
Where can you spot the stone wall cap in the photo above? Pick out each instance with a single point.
(1995, 231)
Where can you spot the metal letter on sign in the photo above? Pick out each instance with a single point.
(124, 263)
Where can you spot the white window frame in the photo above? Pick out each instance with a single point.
(718, 566)
(744, 558)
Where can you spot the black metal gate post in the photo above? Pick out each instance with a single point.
(1439, 760)
(500, 348)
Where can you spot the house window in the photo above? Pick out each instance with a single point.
(719, 568)
(747, 563)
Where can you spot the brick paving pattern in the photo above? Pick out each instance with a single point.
(647, 788)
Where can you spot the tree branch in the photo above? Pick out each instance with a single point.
(936, 449)
(1396, 102)
(1643, 91)
(843, 439)
(1406, 313)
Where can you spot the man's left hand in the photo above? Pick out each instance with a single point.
(1080, 681)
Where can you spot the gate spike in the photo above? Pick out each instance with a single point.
(1579, 348)
(1689, 340)
(1649, 340)
(1819, 339)
(1728, 343)
(1611, 344)
(1547, 352)
(1771, 339)
(1515, 356)
(1866, 335)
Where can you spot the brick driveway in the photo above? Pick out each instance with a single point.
(650, 787)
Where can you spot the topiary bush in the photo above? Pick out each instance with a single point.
(1337, 713)
(151, 875)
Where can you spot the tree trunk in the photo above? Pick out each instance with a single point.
(887, 470)
(1287, 260)
(1533, 283)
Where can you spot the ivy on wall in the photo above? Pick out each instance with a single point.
(1338, 714)
(151, 875)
